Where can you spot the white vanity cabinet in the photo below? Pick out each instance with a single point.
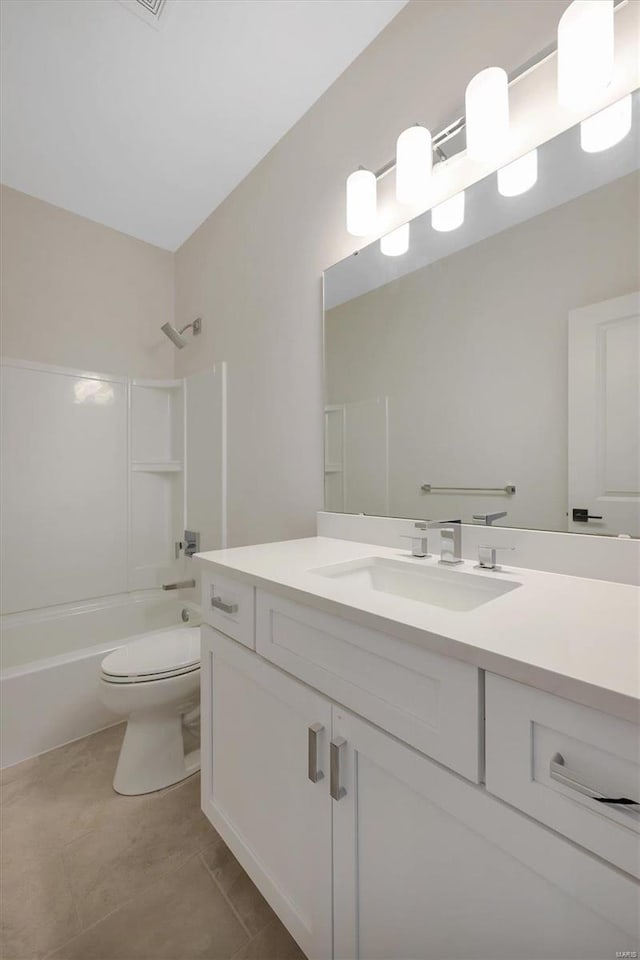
(366, 839)
(552, 759)
(427, 865)
(432, 702)
(256, 789)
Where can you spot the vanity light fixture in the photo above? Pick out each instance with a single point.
(448, 215)
(519, 176)
(362, 198)
(487, 114)
(585, 52)
(414, 162)
(396, 243)
(585, 60)
(607, 127)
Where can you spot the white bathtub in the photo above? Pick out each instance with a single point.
(50, 663)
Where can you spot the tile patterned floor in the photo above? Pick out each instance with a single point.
(90, 875)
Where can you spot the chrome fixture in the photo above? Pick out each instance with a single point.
(314, 772)
(487, 556)
(180, 585)
(185, 614)
(191, 542)
(489, 518)
(336, 747)
(509, 489)
(561, 774)
(176, 335)
(419, 544)
(450, 539)
(219, 604)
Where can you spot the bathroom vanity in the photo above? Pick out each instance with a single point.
(409, 778)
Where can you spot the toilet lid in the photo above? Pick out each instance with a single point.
(168, 653)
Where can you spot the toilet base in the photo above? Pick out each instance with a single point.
(152, 754)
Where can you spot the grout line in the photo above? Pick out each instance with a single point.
(120, 906)
(144, 799)
(60, 854)
(233, 909)
(165, 872)
(271, 923)
(72, 893)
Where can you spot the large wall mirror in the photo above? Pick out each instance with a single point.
(496, 367)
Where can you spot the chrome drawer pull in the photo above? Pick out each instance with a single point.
(336, 791)
(220, 604)
(314, 732)
(561, 774)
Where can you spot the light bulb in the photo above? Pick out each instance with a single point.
(396, 243)
(606, 128)
(448, 215)
(487, 114)
(585, 52)
(414, 160)
(519, 176)
(361, 203)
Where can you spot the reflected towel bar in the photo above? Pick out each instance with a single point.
(509, 489)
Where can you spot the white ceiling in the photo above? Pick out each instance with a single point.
(147, 130)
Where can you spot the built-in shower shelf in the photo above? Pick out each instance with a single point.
(157, 466)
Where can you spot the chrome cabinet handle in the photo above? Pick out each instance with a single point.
(220, 604)
(561, 774)
(314, 733)
(336, 748)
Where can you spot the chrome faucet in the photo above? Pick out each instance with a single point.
(450, 539)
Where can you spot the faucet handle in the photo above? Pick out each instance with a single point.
(489, 518)
(487, 556)
(419, 544)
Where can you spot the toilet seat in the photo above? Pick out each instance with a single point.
(154, 657)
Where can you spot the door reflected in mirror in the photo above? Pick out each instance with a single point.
(496, 367)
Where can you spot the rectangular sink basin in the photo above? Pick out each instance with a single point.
(437, 586)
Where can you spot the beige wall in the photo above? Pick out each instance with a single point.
(81, 294)
(253, 269)
(78, 294)
(471, 352)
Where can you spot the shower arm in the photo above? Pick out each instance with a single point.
(196, 324)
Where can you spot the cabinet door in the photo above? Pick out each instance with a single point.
(256, 786)
(427, 865)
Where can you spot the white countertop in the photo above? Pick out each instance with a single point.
(572, 636)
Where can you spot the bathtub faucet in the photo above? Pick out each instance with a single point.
(180, 585)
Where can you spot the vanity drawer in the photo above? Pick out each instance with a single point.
(535, 741)
(229, 606)
(429, 701)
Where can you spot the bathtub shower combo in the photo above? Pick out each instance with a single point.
(100, 481)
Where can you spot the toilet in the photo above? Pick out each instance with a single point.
(155, 682)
